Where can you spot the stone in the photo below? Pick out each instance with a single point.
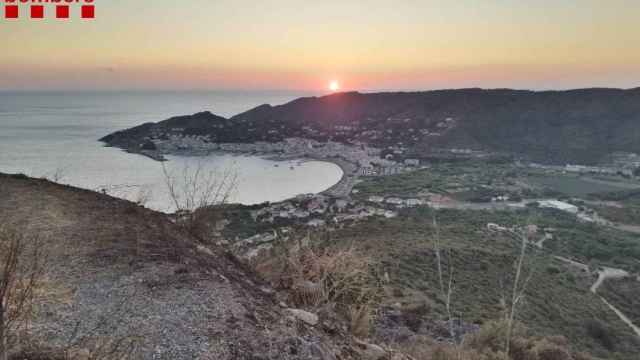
(304, 316)
(373, 352)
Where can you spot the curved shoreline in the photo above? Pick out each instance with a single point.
(340, 189)
(349, 175)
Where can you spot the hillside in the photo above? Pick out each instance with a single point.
(129, 282)
(576, 126)
(390, 219)
(125, 283)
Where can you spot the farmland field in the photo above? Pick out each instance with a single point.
(580, 186)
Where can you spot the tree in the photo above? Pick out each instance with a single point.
(21, 266)
(520, 282)
(445, 293)
(195, 190)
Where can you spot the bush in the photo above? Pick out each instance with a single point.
(342, 277)
(599, 331)
(546, 350)
(552, 270)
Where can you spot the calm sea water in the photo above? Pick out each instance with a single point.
(54, 135)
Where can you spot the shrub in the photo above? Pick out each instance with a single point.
(599, 331)
(345, 277)
(488, 344)
(552, 270)
(546, 350)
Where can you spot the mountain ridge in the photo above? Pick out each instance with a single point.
(567, 126)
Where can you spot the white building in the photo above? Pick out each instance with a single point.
(316, 223)
(560, 205)
(414, 202)
(394, 201)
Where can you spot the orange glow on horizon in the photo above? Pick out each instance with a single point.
(334, 85)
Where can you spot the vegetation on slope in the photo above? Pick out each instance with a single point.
(558, 300)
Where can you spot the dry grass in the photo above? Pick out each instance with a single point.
(342, 277)
(488, 344)
(22, 264)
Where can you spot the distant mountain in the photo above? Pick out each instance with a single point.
(575, 126)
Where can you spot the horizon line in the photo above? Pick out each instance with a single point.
(308, 91)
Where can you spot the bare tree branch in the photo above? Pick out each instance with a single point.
(22, 266)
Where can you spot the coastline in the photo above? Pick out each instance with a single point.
(340, 189)
(347, 157)
(349, 176)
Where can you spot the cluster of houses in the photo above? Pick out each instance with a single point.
(362, 155)
(381, 170)
(625, 170)
(320, 210)
(583, 169)
(534, 233)
(396, 201)
(389, 168)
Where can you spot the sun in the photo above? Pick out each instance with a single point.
(334, 85)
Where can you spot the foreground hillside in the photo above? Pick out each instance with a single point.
(578, 126)
(123, 282)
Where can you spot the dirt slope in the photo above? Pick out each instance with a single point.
(117, 271)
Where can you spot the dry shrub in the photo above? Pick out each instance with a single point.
(344, 277)
(425, 348)
(582, 356)
(194, 190)
(488, 344)
(546, 350)
(360, 320)
(108, 348)
(492, 335)
(22, 265)
(100, 348)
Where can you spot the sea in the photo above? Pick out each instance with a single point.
(54, 135)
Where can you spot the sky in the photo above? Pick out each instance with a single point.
(305, 45)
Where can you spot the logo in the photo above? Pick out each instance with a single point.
(40, 9)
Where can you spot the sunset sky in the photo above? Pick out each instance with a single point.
(293, 44)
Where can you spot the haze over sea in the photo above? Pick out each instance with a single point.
(55, 135)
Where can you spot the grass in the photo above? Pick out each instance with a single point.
(577, 186)
(476, 180)
(557, 302)
(628, 211)
(627, 214)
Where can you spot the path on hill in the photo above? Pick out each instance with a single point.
(608, 273)
(611, 273)
(604, 274)
(622, 316)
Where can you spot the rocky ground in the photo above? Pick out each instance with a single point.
(117, 273)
